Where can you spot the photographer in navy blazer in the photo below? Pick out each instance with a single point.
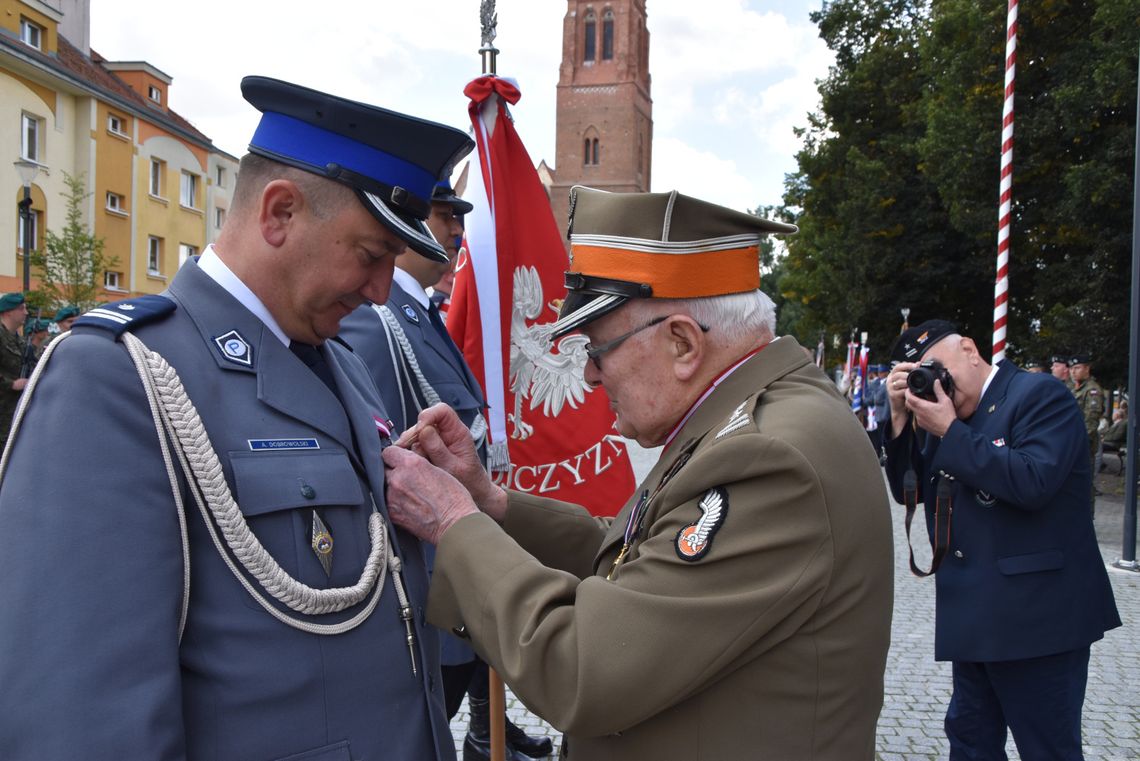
(998, 457)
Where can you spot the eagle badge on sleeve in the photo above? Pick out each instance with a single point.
(695, 540)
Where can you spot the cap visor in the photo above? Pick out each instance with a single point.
(408, 229)
(580, 308)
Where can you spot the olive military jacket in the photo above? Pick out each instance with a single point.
(1090, 398)
(752, 613)
(11, 362)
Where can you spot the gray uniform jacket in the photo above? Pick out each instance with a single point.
(90, 661)
(443, 368)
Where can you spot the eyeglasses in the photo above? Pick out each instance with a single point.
(595, 352)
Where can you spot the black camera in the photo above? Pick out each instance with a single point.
(921, 380)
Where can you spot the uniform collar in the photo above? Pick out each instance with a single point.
(212, 265)
(411, 286)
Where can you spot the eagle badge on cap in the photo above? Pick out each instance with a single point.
(695, 540)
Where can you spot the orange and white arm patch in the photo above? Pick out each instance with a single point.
(695, 540)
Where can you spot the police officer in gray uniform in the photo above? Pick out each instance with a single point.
(218, 578)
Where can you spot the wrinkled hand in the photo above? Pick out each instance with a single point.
(935, 417)
(422, 498)
(440, 436)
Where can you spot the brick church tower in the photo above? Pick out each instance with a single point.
(604, 112)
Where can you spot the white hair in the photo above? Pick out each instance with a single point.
(736, 317)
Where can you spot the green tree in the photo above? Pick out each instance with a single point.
(1074, 138)
(72, 264)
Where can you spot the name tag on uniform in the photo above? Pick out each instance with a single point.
(266, 444)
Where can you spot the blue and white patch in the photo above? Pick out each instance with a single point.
(264, 445)
(122, 316)
(410, 313)
(235, 348)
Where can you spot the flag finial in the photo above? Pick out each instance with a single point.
(488, 19)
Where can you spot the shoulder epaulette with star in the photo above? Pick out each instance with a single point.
(121, 316)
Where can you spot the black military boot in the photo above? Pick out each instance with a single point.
(477, 744)
(535, 747)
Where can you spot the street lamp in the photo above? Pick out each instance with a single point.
(28, 171)
(905, 313)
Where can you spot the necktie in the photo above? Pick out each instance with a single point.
(315, 361)
(437, 323)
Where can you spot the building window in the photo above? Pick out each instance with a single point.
(21, 231)
(189, 190)
(219, 217)
(608, 35)
(220, 180)
(591, 46)
(185, 251)
(154, 256)
(590, 151)
(112, 281)
(154, 94)
(116, 125)
(30, 130)
(157, 170)
(31, 34)
(116, 203)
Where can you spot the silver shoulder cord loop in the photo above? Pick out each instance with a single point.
(175, 416)
(394, 330)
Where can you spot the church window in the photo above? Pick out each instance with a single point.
(591, 46)
(608, 35)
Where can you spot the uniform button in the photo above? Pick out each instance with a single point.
(308, 492)
(461, 632)
(958, 554)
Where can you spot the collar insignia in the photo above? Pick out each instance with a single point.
(411, 313)
(235, 348)
(738, 420)
(695, 540)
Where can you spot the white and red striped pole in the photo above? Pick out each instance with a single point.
(1005, 198)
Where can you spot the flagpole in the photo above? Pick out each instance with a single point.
(1005, 197)
(497, 710)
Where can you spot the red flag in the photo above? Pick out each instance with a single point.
(557, 431)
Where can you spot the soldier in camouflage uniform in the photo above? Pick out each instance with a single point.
(13, 311)
(1090, 398)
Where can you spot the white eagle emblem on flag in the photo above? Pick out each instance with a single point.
(547, 379)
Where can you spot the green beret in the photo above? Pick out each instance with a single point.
(40, 325)
(65, 312)
(10, 301)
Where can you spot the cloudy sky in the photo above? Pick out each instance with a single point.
(728, 85)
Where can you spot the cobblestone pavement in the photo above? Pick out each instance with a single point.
(917, 688)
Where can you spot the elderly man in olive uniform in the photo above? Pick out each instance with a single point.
(740, 603)
(1090, 398)
(13, 313)
(218, 578)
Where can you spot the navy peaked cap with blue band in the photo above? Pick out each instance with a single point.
(391, 160)
(444, 193)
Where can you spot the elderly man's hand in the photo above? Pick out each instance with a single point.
(441, 437)
(422, 498)
(935, 417)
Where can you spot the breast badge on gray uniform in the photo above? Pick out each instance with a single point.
(695, 540)
(410, 313)
(235, 348)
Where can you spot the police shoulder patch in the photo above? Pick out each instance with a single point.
(695, 540)
(121, 316)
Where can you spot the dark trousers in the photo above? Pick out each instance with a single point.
(1039, 699)
(470, 677)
